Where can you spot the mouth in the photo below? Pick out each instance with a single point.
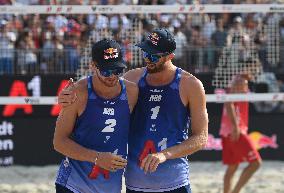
(111, 82)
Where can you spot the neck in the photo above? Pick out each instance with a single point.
(104, 91)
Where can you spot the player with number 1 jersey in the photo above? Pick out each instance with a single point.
(160, 123)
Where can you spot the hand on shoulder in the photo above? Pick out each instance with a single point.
(134, 75)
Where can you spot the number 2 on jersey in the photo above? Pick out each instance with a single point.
(111, 123)
(155, 111)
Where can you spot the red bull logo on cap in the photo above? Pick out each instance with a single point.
(154, 38)
(110, 53)
(263, 141)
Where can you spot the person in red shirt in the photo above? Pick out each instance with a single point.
(237, 146)
(6, 2)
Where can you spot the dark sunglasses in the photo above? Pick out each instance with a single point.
(108, 73)
(153, 57)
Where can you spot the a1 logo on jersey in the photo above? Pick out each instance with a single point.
(108, 111)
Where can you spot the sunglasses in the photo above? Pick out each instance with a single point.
(153, 57)
(108, 73)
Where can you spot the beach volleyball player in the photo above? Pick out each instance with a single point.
(92, 132)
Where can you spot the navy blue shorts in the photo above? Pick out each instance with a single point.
(62, 189)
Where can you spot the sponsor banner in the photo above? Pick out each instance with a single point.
(6, 143)
(23, 94)
(31, 142)
(132, 9)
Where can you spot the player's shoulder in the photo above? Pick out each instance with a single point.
(134, 74)
(189, 81)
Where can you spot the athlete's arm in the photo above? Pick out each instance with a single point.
(63, 130)
(193, 92)
(134, 75)
(193, 95)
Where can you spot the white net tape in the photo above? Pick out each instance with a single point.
(210, 98)
(142, 9)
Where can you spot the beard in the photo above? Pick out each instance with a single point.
(110, 83)
(154, 68)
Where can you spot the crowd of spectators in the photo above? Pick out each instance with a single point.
(54, 43)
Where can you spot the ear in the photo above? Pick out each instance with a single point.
(92, 65)
(171, 56)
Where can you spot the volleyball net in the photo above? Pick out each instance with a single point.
(222, 40)
(210, 98)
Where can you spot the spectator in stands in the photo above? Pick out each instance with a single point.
(27, 55)
(7, 51)
(197, 42)
(165, 21)
(6, 2)
(220, 35)
(181, 45)
(236, 31)
(119, 20)
(48, 53)
(208, 28)
(34, 26)
(72, 53)
(218, 39)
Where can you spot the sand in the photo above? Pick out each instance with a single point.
(206, 177)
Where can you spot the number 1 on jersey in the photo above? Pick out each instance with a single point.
(155, 112)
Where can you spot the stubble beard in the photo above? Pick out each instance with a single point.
(157, 69)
